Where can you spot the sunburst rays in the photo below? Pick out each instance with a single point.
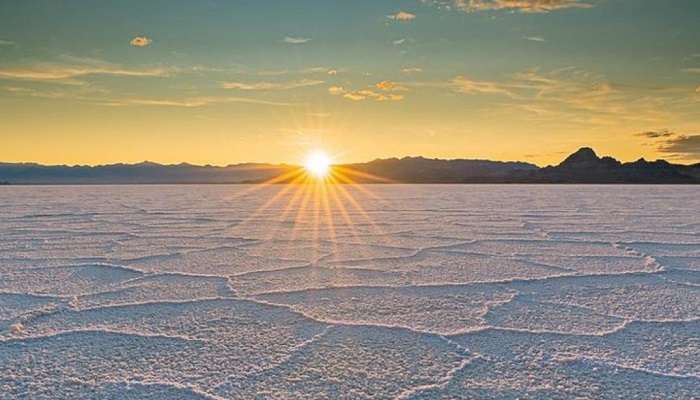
(312, 205)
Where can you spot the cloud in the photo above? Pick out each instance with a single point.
(524, 6)
(682, 146)
(364, 94)
(656, 134)
(355, 96)
(295, 40)
(692, 70)
(189, 102)
(320, 70)
(63, 73)
(87, 95)
(271, 85)
(399, 42)
(6, 43)
(389, 86)
(534, 38)
(141, 41)
(402, 16)
(470, 86)
(674, 144)
(411, 70)
(336, 90)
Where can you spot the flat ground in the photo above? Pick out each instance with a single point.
(398, 291)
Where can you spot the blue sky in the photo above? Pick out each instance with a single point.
(230, 81)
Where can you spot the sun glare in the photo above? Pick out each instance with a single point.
(318, 164)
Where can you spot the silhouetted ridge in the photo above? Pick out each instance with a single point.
(583, 166)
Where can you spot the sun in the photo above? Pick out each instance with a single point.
(318, 164)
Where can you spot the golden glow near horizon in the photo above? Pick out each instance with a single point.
(318, 164)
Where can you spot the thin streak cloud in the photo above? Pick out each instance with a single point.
(271, 85)
(523, 6)
(58, 72)
(295, 40)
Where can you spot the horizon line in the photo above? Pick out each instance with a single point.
(300, 165)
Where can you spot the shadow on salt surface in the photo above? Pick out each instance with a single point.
(441, 310)
(59, 366)
(425, 268)
(292, 231)
(43, 249)
(628, 296)
(145, 246)
(540, 377)
(481, 231)
(403, 240)
(538, 247)
(250, 325)
(666, 249)
(66, 280)
(355, 363)
(597, 264)
(525, 314)
(157, 288)
(628, 236)
(13, 306)
(568, 365)
(439, 266)
(200, 343)
(220, 262)
(683, 277)
(129, 390)
(675, 262)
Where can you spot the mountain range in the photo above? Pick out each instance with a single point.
(583, 166)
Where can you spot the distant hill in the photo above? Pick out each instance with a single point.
(583, 166)
(142, 173)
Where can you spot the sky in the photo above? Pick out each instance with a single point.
(223, 82)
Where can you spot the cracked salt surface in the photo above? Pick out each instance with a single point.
(449, 292)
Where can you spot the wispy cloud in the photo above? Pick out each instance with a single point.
(141, 41)
(63, 73)
(190, 102)
(568, 94)
(672, 144)
(295, 40)
(470, 86)
(320, 70)
(271, 85)
(411, 70)
(524, 6)
(399, 42)
(102, 98)
(682, 146)
(656, 134)
(6, 43)
(402, 16)
(534, 38)
(368, 94)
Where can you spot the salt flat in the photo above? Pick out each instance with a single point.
(374, 292)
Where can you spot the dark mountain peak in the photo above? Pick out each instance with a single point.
(584, 155)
